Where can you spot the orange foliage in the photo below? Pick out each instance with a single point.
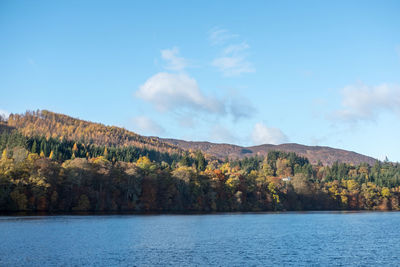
(46, 123)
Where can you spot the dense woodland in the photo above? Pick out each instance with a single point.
(59, 126)
(75, 173)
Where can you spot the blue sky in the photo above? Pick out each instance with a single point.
(310, 72)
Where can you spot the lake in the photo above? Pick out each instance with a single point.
(312, 238)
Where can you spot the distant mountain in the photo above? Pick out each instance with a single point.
(326, 155)
(50, 124)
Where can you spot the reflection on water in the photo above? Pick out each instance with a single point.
(222, 239)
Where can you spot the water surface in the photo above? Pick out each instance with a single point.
(366, 238)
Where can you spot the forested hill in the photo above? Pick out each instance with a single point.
(59, 126)
(315, 154)
(54, 163)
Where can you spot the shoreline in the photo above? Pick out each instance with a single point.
(43, 214)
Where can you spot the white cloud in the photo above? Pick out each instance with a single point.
(233, 60)
(4, 113)
(235, 49)
(219, 36)
(186, 121)
(175, 62)
(364, 102)
(178, 91)
(233, 66)
(220, 134)
(316, 141)
(169, 91)
(241, 108)
(146, 125)
(267, 135)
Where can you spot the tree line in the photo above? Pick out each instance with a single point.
(41, 173)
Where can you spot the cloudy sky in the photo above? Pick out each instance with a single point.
(310, 72)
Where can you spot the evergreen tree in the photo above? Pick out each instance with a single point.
(185, 160)
(200, 161)
(34, 147)
(45, 148)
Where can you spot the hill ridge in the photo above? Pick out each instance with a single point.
(56, 125)
(327, 155)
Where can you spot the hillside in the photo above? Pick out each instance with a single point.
(50, 124)
(326, 155)
(54, 163)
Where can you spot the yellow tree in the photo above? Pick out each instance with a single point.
(4, 155)
(283, 168)
(272, 188)
(385, 192)
(145, 164)
(74, 150)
